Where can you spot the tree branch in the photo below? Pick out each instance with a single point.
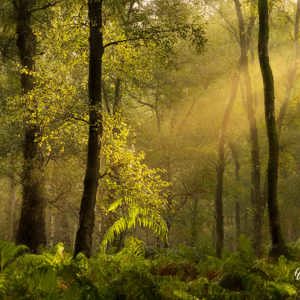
(114, 43)
(146, 104)
(46, 6)
(71, 116)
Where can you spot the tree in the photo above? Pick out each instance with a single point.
(256, 199)
(83, 241)
(163, 32)
(135, 194)
(278, 244)
(31, 231)
(292, 72)
(221, 167)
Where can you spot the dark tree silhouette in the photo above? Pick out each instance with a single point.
(84, 234)
(31, 230)
(278, 244)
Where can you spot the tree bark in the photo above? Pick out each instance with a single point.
(84, 234)
(194, 221)
(292, 73)
(256, 198)
(117, 100)
(234, 154)
(31, 231)
(221, 168)
(235, 157)
(237, 223)
(278, 244)
(12, 208)
(52, 228)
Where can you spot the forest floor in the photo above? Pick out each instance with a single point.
(134, 273)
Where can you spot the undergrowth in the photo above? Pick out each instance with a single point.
(182, 274)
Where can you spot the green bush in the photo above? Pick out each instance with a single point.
(170, 275)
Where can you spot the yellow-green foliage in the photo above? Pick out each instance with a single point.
(134, 192)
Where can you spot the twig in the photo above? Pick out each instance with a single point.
(48, 5)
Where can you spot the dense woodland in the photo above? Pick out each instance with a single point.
(149, 149)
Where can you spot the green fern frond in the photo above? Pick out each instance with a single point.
(137, 216)
(115, 205)
(135, 192)
(9, 252)
(133, 246)
(115, 230)
(183, 295)
(3, 284)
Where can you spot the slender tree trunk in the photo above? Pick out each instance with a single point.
(105, 97)
(12, 208)
(52, 228)
(31, 231)
(117, 100)
(157, 111)
(194, 221)
(256, 198)
(234, 154)
(278, 244)
(168, 215)
(237, 223)
(221, 168)
(235, 157)
(84, 234)
(292, 73)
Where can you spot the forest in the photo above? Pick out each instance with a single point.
(149, 149)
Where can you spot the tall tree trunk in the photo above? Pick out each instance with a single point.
(256, 198)
(31, 231)
(194, 221)
(84, 234)
(278, 244)
(221, 168)
(234, 154)
(292, 73)
(237, 223)
(12, 208)
(117, 100)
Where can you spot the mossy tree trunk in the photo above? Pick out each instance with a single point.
(31, 230)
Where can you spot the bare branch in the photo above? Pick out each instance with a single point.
(71, 116)
(146, 104)
(46, 6)
(188, 113)
(114, 43)
(103, 175)
(227, 24)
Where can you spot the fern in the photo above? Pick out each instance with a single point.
(133, 247)
(136, 217)
(134, 192)
(183, 295)
(9, 252)
(3, 284)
